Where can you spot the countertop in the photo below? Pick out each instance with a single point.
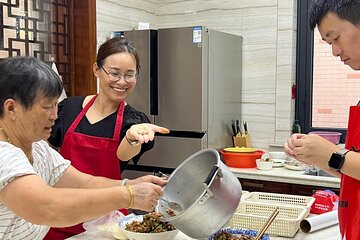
(285, 175)
(275, 175)
(330, 233)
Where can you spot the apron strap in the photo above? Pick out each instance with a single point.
(119, 121)
(81, 114)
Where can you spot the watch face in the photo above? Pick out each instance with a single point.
(335, 160)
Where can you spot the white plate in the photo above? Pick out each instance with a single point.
(278, 162)
(294, 167)
(119, 234)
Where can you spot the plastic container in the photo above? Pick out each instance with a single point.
(251, 215)
(244, 194)
(278, 199)
(241, 160)
(255, 208)
(333, 137)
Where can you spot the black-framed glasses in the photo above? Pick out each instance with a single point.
(116, 76)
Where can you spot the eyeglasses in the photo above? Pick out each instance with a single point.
(116, 76)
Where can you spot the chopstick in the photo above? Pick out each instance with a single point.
(267, 223)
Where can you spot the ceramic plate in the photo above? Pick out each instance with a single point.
(239, 231)
(240, 149)
(295, 167)
(119, 234)
(278, 162)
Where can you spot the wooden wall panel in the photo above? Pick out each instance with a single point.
(83, 47)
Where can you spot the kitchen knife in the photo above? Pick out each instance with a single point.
(234, 129)
(238, 130)
(245, 127)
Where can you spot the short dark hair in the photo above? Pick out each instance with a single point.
(22, 78)
(117, 45)
(345, 9)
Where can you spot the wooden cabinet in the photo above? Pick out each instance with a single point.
(309, 190)
(264, 186)
(277, 187)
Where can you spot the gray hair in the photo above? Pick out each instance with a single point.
(22, 78)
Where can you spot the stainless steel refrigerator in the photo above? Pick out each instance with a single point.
(189, 82)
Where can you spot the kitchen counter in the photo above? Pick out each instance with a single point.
(275, 175)
(285, 175)
(330, 233)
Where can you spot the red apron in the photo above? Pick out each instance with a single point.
(92, 155)
(349, 208)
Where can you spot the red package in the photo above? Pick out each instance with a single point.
(325, 201)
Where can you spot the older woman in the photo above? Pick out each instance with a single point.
(38, 187)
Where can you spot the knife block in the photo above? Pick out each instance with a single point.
(242, 141)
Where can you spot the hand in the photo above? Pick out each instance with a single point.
(144, 132)
(311, 149)
(289, 146)
(148, 178)
(146, 195)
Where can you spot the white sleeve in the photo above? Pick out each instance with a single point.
(51, 164)
(13, 163)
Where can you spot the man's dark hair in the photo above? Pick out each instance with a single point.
(345, 9)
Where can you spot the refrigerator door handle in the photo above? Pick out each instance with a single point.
(154, 73)
(183, 134)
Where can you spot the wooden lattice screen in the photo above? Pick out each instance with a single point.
(39, 28)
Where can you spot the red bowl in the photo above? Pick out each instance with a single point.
(241, 160)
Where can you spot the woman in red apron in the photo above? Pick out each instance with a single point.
(92, 155)
(96, 132)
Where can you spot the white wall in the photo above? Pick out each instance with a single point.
(269, 31)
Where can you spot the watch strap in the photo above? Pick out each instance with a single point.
(342, 160)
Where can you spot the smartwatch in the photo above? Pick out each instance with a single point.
(337, 159)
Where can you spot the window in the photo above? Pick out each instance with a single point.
(325, 87)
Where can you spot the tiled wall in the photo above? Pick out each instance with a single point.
(113, 15)
(269, 31)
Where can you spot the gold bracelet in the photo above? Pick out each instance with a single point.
(128, 187)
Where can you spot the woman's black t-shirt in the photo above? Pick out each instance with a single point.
(70, 108)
